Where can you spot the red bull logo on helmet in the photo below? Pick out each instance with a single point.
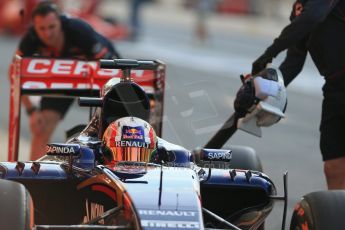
(133, 133)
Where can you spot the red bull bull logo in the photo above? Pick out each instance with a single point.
(132, 133)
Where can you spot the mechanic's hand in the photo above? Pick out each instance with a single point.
(37, 123)
(245, 98)
(261, 63)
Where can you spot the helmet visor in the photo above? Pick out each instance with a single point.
(134, 154)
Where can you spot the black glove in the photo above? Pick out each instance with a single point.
(245, 98)
(261, 63)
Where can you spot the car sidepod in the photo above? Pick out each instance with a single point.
(241, 197)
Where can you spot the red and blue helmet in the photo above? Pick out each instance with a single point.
(130, 139)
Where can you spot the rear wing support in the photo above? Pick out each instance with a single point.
(14, 111)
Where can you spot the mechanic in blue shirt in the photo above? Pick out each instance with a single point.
(318, 27)
(57, 36)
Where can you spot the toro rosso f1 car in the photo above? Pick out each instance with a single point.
(87, 183)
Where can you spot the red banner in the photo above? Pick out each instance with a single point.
(73, 74)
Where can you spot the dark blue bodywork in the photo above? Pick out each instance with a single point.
(163, 196)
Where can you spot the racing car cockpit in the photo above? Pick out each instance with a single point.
(125, 105)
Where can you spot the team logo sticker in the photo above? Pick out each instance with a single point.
(133, 133)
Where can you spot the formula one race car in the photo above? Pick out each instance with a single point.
(117, 174)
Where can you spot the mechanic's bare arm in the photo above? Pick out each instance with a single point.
(30, 108)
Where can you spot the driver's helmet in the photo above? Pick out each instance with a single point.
(129, 139)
